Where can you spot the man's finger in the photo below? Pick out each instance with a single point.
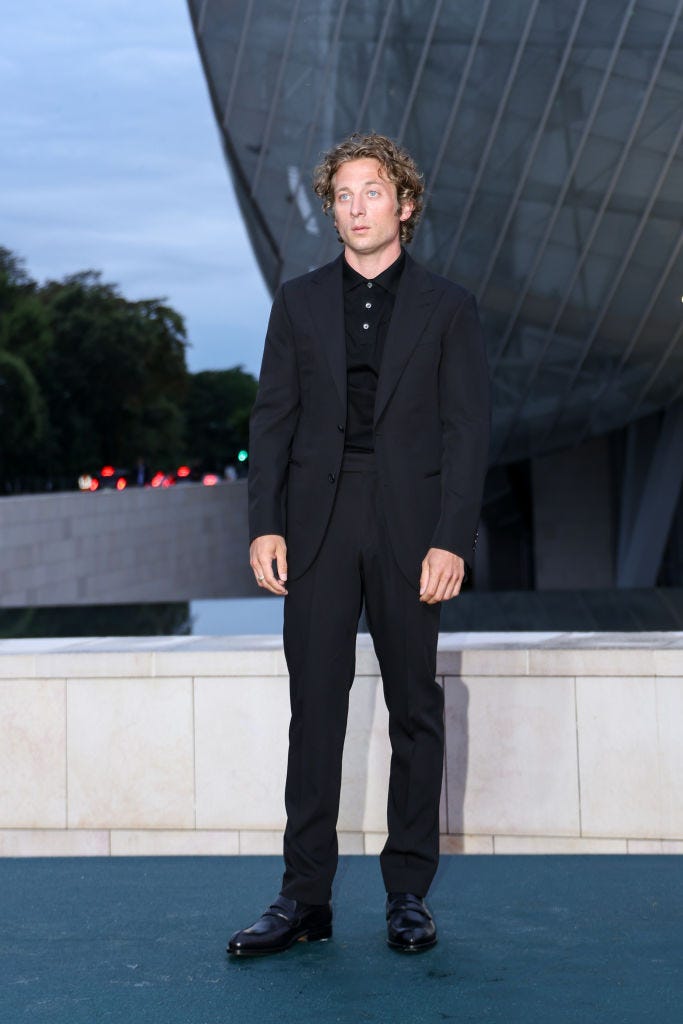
(424, 578)
(438, 588)
(270, 581)
(282, 564)
(454, 589)
(444, 582)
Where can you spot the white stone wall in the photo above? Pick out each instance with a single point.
(143, 544)
(177, 745)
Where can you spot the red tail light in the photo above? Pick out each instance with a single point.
(94, 484)
(107, 471)
(157, 479)
(121, 484)
(183, 471)
(210, 480)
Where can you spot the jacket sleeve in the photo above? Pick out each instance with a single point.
(465, 412)
(272, 424)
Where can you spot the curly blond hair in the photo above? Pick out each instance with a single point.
(397, 164)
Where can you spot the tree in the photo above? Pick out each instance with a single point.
(88, 377)
(217, 415)
(116, 375)
(24, 340)
(22, 418)
(13, 278)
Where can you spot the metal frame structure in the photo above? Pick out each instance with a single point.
(550, 135)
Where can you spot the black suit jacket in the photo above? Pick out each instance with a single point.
(431, 421)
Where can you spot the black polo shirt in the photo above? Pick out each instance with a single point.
(368, 305)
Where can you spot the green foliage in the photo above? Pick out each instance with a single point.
(88, 377)
(13, 277)
(118, 366)
(22, 415)
(217, 415)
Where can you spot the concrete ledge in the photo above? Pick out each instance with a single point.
(144, 544)
(556, 743)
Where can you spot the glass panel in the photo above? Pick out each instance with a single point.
(544, 133)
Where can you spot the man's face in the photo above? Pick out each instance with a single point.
(366, 210)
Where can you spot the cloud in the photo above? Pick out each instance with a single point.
(112, 161)
(136, 65)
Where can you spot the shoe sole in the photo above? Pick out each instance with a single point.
(317, 935)
(407, 948)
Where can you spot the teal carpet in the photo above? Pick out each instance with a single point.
(539, 940)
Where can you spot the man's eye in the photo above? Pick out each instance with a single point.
(373, 192)
(343, 196)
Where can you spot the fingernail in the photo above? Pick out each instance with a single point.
(284, 576)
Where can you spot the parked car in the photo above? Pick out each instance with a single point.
(111, 478)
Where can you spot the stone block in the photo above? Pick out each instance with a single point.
(56, 548)
(669, 661)
(511, 756)
(16, 534)
(669, 713)
(649, 846)
(18, 557)
(261, 841)
(90, 664)
(374, 842)
(222, 663)
(366, 659)
(54, 842)
(449, 844)
(170, 842)
(351, 843)
(17, 666)
(593, 661)
(557, 845)
(32, 754)
(241, 728)
(618, 757)
(130, 756)
(490, 661)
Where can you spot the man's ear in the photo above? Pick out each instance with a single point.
(406, 209)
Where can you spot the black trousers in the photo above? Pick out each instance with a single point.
(354, 565)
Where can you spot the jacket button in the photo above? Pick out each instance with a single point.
(340, 426)
(330, 477)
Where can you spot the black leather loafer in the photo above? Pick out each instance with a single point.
(410, 926)
(281, 925)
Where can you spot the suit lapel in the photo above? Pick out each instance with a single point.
(327, 310)
(415, 302)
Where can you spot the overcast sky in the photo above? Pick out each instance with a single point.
(110, 160)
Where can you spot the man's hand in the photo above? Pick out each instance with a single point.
(262, 552)
(441, 577)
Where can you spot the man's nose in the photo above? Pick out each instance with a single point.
(357, 207)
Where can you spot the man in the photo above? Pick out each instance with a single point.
(368, 449)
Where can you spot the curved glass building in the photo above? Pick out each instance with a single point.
(549, 133)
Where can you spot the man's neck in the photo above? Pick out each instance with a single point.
(372, 264)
